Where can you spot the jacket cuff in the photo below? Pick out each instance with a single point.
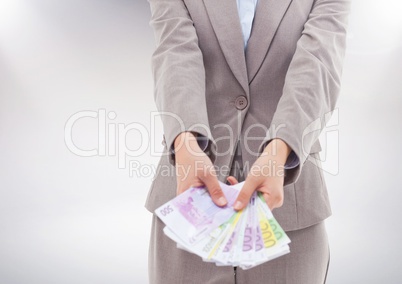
(291, 162)
(207, 145)
(295, 160)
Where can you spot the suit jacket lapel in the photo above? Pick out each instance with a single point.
(268, 16)
(224, 18)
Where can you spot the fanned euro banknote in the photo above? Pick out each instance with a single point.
(222, 235)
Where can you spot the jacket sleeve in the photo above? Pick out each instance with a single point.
(179, 74)
(312, 83)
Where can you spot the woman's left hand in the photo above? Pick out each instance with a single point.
(266, 175)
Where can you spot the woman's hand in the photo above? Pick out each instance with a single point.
(266, 175)
(194, 168)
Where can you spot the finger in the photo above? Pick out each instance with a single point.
(272, 202)
(182, 189)
(182, 186)
(232, 180)
(212, 184)
(245, 194)
(269, 201)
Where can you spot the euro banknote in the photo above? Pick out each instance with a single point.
(222, 235)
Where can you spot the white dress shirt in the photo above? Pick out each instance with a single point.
(246, 10)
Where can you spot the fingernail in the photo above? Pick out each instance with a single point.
(221, 201)
(238, 205)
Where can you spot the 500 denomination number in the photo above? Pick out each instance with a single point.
(166, 210)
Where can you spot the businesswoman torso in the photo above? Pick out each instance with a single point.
(284, 85)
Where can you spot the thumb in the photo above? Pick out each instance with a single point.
(214, 188)
(232, 180)
(245, 194)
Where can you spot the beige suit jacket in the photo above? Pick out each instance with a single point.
(284, 85)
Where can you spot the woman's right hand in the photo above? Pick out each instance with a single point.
(194, 168)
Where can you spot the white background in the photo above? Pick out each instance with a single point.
(65, 218)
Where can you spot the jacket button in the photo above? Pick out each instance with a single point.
(241, 102)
